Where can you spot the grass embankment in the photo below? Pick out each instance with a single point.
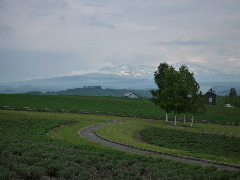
(141, 106)
(126, 133)
(28, 153)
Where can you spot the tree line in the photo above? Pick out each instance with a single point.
(233, 98)
(177, 91)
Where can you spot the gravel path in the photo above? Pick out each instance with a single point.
(89, 133)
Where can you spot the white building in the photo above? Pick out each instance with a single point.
(130, 95)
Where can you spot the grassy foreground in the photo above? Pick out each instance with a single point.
(27, 152)
(142, 106)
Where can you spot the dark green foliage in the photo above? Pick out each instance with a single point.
(194, 100)
(174, 96)
(27, 153)
(233, 93)
(233, 99)
(159, 75)
(219, 145)
(160, 79)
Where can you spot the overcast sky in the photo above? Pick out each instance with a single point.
(46, 38)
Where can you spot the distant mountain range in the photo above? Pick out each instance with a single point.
(92, 79)
(196, 69)
(129, 70)
(202, 74)
(123, 77)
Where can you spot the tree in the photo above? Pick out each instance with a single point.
(195, 100)
(159, 78)
(177, 91)
(170, 94)
(233, 93)
(174, 93)
(159, 75)
(188, 80)
(233, 98)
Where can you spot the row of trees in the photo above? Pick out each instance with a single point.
(177, 91)
(233, 98)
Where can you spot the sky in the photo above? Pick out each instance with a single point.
(51, 38)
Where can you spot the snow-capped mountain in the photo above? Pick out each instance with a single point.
(129, 70)
(202, 74)
(196, 69)
(148, 71)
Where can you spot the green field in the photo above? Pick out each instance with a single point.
(194, 142)
(31, 150)
(142, 106)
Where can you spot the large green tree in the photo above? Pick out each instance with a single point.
(174, 93)
(177, 91)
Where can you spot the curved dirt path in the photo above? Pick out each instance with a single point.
(89, 133)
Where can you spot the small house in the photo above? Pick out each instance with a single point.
(209, 93)
(131, 95)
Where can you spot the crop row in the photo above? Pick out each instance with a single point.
(196, 142)
(27, 153)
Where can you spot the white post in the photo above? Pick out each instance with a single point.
(184, 120)
(175, 123)
(166, 118)
(192, 122)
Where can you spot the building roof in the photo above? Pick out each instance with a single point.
(205, 89)
(129, 94)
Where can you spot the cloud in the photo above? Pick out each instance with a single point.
(4, 30)
(198, 59)
(234, 61)
(179, 42)
(95, 21)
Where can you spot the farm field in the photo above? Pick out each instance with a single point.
(45, 145)
(142, 106)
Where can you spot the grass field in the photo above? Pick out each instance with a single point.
(140, 106)
(45, 145)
